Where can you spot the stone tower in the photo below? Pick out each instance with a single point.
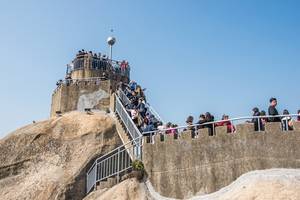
(89, 83)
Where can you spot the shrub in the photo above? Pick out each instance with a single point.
(138, 165)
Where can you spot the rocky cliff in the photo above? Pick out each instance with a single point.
(48, 159)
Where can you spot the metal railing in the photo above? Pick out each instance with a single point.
(112, 164)
(123, 97)
(120, 159)
(126, 119)
(153, 112)
(126, 101)
(259, 124)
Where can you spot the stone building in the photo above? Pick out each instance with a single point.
(90, 80)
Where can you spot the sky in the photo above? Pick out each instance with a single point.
(193, 56)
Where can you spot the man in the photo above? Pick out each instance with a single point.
(273, 111)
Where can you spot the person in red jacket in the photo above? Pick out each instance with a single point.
(226, 122)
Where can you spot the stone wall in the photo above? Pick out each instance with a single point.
(186, 166)
(84, 94)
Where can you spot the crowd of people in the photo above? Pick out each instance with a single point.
(147, 122)
(142, 117)
(259, 121)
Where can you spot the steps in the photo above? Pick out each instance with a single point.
(111, 167)
(124, 135)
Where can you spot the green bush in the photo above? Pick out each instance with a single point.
(138, 165)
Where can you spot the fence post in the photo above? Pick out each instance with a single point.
(118, 166)
(258, 124)
(95, 180)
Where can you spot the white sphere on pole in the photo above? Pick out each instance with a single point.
(111, 40)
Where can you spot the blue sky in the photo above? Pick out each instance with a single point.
(222, 56)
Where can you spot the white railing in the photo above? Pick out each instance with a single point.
(126, 119)
(258, 124)
(126, 101)
(120, 159)
(123, 97)
(153, 112)
(112, 164)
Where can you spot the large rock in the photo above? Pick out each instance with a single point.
(49, 159)
(130, 189)
(271, 184)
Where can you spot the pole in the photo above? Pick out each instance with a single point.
(110, 47)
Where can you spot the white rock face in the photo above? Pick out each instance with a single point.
(91, 100)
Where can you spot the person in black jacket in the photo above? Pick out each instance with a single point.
(273, 111)
(258, 126)
(209, 118)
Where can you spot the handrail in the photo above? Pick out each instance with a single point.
(127, 119)
(126, 100)
(113, 163)
(153, 111)
(230, 120)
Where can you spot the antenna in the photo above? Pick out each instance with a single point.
(111, 40)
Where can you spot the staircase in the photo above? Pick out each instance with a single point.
(109, 168)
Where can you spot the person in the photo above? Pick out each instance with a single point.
(286, 121)
(273, 111)
(134, 115)
(264, 120)
(298, 118)
(141, 107)
(160, 127)
(123, 65)
(210, 126)
(201, 121)
(139, 92)
(149, 128)
(255, 120)
(227, 123)
(132, 85)
(189, 125)
(168, 127)
(174, 129)
(134, 99)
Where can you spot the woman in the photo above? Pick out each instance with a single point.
(287, 123)
(264, 120)
(225, 122)
(258, 126)
(298, 118)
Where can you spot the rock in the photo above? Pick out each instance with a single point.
(129, 189)
(49, 159)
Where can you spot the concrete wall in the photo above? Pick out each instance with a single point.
(78, 96)
(186, 166)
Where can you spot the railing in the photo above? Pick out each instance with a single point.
(111, 164)
(259, 125)
(153, 112)
(100, 64)
(120, 159)
(126, 101)
(126, 119)
(123, 97)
